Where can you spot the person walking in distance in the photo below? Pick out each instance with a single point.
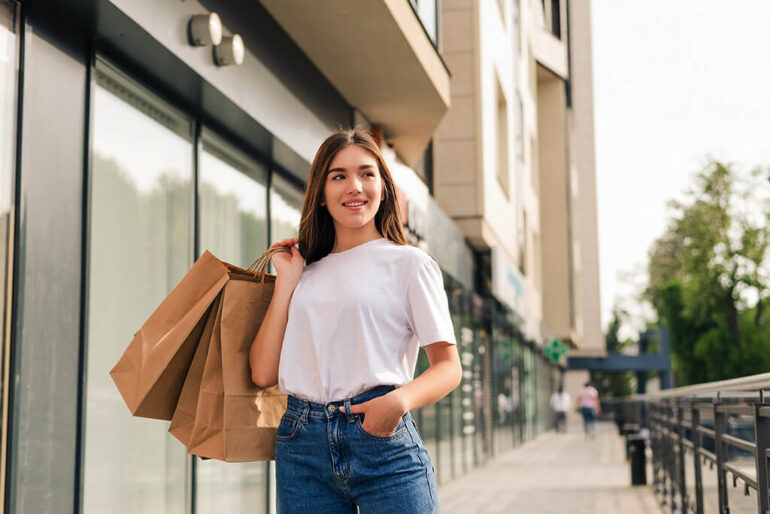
(588, 403)
(351, 306)
(560, 402)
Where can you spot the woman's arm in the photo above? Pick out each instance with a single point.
(443, 375)
(265, 351)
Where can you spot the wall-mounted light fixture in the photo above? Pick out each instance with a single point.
(205, 29)
(229, 51)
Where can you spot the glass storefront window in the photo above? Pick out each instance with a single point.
(139, 246)
(8, 86)
(232, 192)
(444, 467)
(285, 208)
(233, 225)
(530, 399)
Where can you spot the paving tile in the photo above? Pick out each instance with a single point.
(556, 473)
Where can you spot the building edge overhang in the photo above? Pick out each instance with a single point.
(378, 56)
(477, 231)
(551, 53)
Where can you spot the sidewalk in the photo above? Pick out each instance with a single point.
(555, 473)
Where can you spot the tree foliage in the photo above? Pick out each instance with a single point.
(708, 276)
(613, 384)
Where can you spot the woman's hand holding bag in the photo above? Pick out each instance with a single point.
(288, 266)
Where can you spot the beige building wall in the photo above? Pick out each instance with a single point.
(581, 79)
(571, 302)
(554, 206)
(457, 170)
(508, 169)
(482, 175)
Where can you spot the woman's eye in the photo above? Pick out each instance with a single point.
(335, 177)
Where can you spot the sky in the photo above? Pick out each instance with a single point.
(674, 83)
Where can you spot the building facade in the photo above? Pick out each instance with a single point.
(515, 161)
(126, 150)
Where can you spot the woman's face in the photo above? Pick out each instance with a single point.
(353, 188)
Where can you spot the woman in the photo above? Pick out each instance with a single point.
(341, 336)
(589, 406)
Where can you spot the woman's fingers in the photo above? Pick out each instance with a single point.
(285, 242)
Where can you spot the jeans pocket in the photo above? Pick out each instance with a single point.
(416, 434)
(400, 430)
(288, 428)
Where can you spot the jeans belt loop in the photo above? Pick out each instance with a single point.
(305, 412)
(348, 414)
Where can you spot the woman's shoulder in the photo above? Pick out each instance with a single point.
(412, 261)
(410, 254)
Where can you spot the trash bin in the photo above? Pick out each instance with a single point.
(627, 430)
(636, 450)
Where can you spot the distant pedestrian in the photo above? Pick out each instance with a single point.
(588, 403)
(560, 403)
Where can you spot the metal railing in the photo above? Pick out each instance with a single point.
(720, 424)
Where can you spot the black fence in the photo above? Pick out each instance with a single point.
(720, 428)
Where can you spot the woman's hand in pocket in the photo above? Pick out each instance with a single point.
(288, 266)
(381, 414)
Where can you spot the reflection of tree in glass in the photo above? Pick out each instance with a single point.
(282, 230)
(139, 248)
(152, 227)
(234, 235)
(285, 206)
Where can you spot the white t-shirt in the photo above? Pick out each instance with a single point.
(560, 402)
(356, 318)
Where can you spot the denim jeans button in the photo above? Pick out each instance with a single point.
(331, 408)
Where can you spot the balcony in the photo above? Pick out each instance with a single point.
(549, 45)
(379, 57)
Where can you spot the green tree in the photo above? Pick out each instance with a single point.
(705, 272)
(616, 384)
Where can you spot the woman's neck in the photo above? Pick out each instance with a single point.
(346, 239)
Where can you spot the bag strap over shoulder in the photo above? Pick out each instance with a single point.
(259, 267)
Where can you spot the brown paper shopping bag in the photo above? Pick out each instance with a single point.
(184, 415)
(236, 421)
(151, 372)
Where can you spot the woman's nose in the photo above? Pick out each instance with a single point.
(354, 186)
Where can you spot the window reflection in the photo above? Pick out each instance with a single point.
(139, 248)
(233, 204)
(8, 81)
(285, 208)
(426, 11)
(233, 226)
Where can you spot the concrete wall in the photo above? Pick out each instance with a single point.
(485, 187)
(458, 170)
(584, 159)
(254, 86)
(496, 56)
(554, 206)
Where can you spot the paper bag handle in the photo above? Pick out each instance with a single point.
(259, 267)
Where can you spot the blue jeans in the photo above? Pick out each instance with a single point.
(326, 463)
(589, 418)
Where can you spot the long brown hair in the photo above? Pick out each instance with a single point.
(316, 230)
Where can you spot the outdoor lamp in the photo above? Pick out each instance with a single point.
(229, 51)
(205, 29)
